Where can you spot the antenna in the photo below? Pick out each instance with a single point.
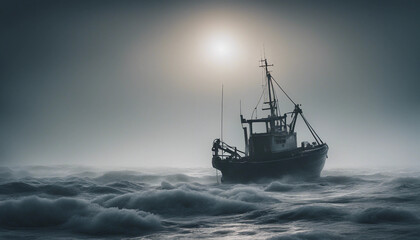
(221, 133)
(221, 118)
(264, 50)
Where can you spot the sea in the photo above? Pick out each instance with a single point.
(74, 202)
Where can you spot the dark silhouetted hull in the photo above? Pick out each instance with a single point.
(302, 163)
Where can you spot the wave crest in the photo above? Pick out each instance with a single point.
(309, 213)
(75, 215)
(382, 215)
(309, 236)
(278, 187)
(177, 202)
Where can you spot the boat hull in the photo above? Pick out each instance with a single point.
(304, 163)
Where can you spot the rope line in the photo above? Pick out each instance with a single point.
(312, 129)
(283, 90)
(262, 94)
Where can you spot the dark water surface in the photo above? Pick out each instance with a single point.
(75, 202)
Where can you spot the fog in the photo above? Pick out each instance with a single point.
(134, 83)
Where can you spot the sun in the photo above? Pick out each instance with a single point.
(221, 47)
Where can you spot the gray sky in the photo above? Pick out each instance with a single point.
(136, 83)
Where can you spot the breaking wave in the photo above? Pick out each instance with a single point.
(342, 180)
(278, 187)
(404, 183)
(315, 235)
(133, 176)
(16, 187)
(248, 194)
(75, 215)
(21, 188)
(74, 203)
(308, 213)
(176, 202)
(383, 215)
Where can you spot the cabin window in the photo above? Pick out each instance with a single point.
(279, 140)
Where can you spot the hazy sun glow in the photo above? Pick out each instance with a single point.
(221, 47)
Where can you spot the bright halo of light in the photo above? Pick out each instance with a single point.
(221, 47)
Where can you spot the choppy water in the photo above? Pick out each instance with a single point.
(71, 202)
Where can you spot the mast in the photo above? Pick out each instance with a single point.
(221, 118)
(271, 96)
(269, 87)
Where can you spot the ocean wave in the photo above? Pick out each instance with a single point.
(75, 215)
(400, 198)
(16, 187)
(179, 178)
(59, 190)
(383, 215)
(309, 213)
(177, 202)
(193, 186)
(259, 214)
(314, 213)
(101, 190)
(404, 183)
(166, 186)
(65, 189)
(279, 187)
(315, 235)
(161, 204)
(116, 176)
(344, 199)
(248, 194)
(126, 185)
(5, 173)
(342, 180)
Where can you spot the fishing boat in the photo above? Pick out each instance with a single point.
(274, 152)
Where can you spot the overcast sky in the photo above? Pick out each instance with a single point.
(135, 83)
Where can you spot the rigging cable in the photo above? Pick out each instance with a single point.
(283, 90)
(262, 94)
(311, 129)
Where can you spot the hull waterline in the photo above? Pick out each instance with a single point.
(301, 163)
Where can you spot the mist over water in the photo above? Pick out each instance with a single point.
(78, 202)
(137, 83)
